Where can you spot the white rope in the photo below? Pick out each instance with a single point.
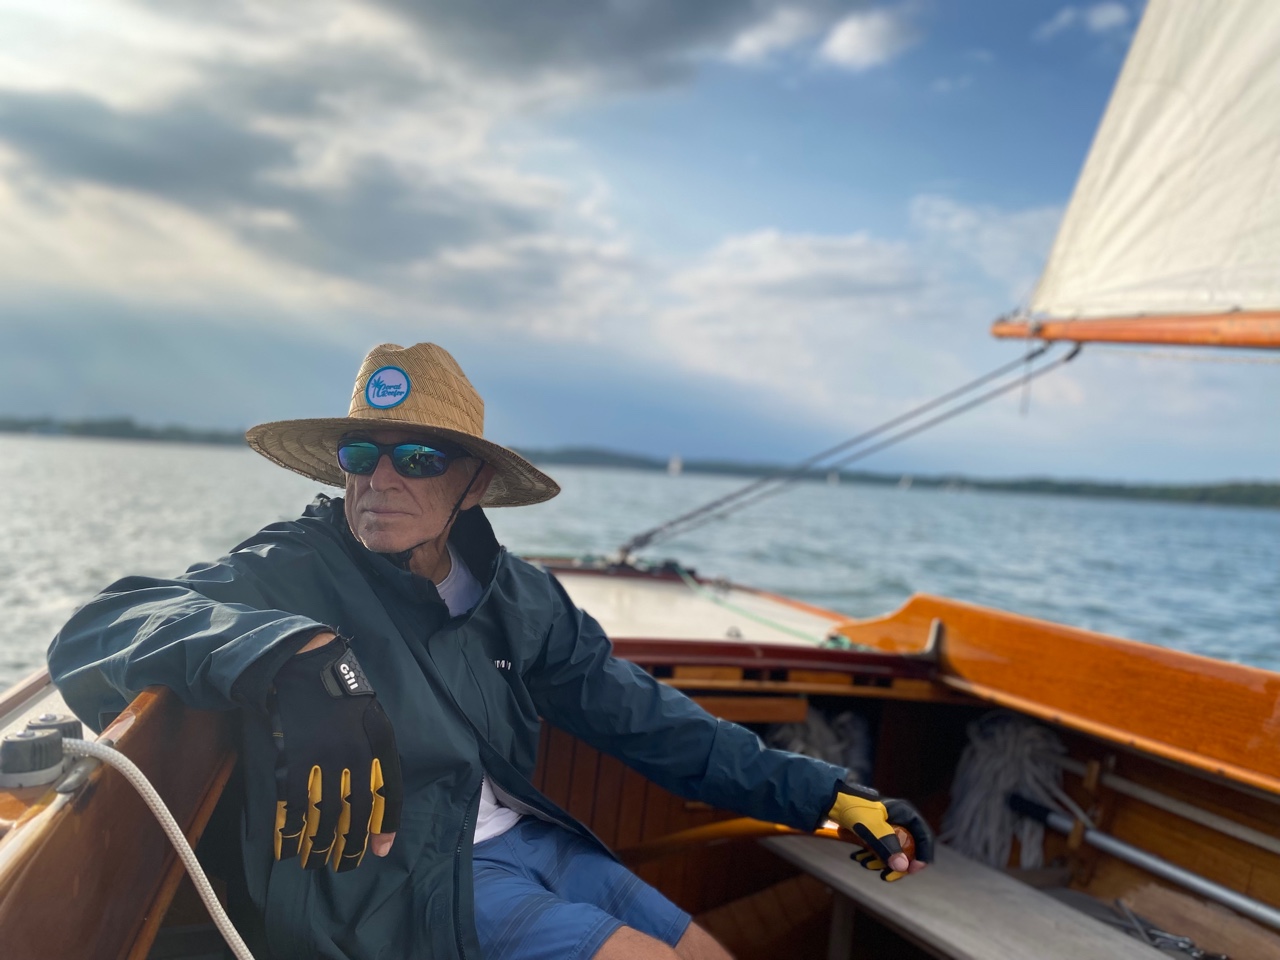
(1006, 754)
(116, 759)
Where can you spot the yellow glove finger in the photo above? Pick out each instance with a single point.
(376, 783)
(287, 835)
(869, 861)
(316, 843)
(344, 822)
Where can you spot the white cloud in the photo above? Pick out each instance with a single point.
(869, 39)
(1062, 20)
(1100, 18)
(1105, 17)
(784, 29)
(1009, 247)
(812, 321)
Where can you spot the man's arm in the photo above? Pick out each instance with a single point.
(215, 636)
(616, 707)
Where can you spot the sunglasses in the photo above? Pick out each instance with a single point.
(412, 460)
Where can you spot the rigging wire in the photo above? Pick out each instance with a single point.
(759, 490)
(798, 470)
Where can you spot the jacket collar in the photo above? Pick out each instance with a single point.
(472, 537)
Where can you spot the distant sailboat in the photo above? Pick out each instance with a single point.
(675, 466)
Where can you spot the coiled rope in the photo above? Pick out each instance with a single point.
(767, 486)
(1006, 754)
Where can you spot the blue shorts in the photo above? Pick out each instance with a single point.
(543, 892)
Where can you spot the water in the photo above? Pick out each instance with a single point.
(82, 513)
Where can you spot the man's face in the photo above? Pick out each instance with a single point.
(389, 513)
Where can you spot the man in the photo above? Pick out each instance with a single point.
(391, 663)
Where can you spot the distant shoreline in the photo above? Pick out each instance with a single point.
(117, 428)
(1220, 494)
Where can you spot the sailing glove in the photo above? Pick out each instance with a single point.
(871, 818)
(337, 769)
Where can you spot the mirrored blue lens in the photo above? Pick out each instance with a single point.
(418, 460)
(359, 456)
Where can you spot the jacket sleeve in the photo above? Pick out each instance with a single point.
(215, 635)
(612, 704)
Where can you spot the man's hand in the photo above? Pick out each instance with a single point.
(867, 816)
(337, 769)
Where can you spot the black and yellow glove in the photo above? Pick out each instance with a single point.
(871, 819)
(337, 769)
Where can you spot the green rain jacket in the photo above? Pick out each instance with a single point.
(464, 694)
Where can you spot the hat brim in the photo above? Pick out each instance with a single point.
(310, 447)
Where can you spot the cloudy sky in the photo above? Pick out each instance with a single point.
(738, 228)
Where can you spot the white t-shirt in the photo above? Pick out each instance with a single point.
(460, 591)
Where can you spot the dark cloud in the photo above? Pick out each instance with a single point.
(319, 81)
(614, 42)
(529, 279)
(379, 217)
(183, 151)
(634, 41)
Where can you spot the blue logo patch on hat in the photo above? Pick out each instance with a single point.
(387, 387)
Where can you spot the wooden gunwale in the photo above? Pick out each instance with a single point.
(176, 871)
(1222, 719)
(647, 652)
(17, 696)
(1104, 731)
(1251, 330)
(101, 846)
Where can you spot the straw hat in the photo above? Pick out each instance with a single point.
(418, 388)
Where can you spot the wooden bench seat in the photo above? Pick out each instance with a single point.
(957, 909)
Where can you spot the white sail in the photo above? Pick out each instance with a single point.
(1177, 210)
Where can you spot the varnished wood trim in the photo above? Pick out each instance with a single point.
(739, 828)
(175, 870)
(22, 691)
(101, 846)
(1117, 735)
(765, 656)
(756, 709)
(1208, 714)
(699, 672)
(913, 690)
(1253, 330)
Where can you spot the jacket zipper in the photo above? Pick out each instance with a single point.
(467, 830)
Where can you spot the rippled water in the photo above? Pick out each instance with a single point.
(81, 513)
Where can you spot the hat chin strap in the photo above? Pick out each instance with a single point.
(401, 557)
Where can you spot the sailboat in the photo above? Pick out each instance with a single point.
(1161, 826)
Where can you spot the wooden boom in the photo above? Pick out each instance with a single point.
(1255, 330)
